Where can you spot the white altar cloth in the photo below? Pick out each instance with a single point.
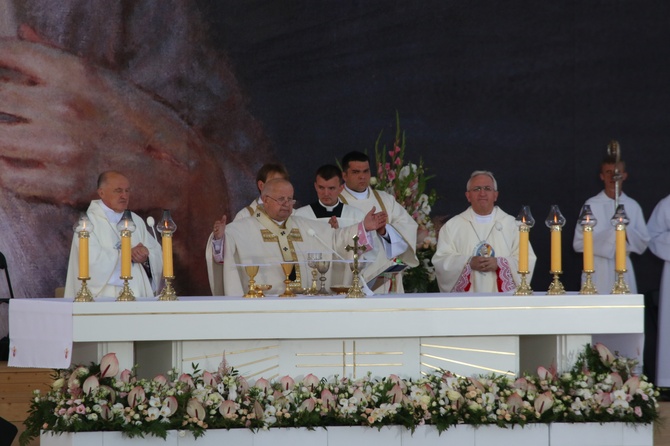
(408, 334)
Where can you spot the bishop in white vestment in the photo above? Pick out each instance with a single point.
(478, 250)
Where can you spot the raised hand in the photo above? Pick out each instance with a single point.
(220, 228)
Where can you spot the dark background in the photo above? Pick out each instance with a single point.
(532, 90)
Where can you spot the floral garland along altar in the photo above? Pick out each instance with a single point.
(600, 388)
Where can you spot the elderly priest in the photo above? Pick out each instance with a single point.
(105, 245)
(272, 237)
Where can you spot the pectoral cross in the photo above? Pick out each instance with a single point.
(355, 290)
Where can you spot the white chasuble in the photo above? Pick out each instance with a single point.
(383, 255)
(105, 257)
(463, 237)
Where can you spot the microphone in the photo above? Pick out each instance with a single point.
(151, 223)
(312, 233)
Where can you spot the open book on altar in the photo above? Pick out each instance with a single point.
(377, 281)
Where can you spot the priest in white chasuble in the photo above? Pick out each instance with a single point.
(328, 208)
(478, 250)
(273, 236)
(396, 239)
(105, 246)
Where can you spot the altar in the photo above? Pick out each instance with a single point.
(407, 335)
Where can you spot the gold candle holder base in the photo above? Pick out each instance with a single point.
(126, 294)
(523, 289)
(84, 294)
(168, 292)
(556, 287)
(588, 287)
(355, 292)
(620, 286)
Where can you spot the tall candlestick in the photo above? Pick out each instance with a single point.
(555, 222)
(588, 221)
(167, 228)
(525, 221)
(620, 221)
(126, 227)
(83, 228)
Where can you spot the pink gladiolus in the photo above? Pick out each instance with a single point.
(126, 375)
(391, 153)
(396, 150)
(109, 366)
(544, 402)
(263, 384)
(209, 379)
(397, 162)
(91, 384)
(136, 396)
(161, 380)
(311, 381)
(228, 409)
(287, 383)
(391, 175)
(327, 399)
(605, 354)
(172, 405)
(188, 379)
(195, 410)
(308, 405)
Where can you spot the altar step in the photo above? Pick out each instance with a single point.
(17, 385)
(16, 390)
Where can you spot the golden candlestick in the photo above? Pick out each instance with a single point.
(84, 294)
(620, 221)
(525, 221)
(355, 291)
(620, 286)
(167, 228)
(126, 294)
(83, 228)
(588, 287)
(168, 293)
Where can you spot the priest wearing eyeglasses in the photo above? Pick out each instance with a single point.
(273, 236)
(478, 250)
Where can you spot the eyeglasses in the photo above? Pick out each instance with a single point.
(482, 188)
(283, 201)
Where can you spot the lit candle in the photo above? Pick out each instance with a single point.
(524, 232)
(126, 227)
(167, 254)
(588, 248)
(167, 228)
(83, 254)
(620, 249)
(125, 254)
(555, 248)
(619, 221)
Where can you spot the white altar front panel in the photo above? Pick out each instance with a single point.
(402, 334)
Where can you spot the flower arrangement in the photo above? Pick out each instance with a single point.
(600, 388)
(407, 183)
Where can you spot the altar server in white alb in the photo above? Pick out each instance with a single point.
(478, 249)
(273, 236)
(659, 231)
(603, 208)
(396, 239)
(328, 208)
(604, 234)
(105, 245)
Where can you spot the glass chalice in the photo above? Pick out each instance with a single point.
(287, 268)
(322, 266)
(312, 259)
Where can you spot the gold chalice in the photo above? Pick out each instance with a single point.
(253, 293)
(287, 268)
